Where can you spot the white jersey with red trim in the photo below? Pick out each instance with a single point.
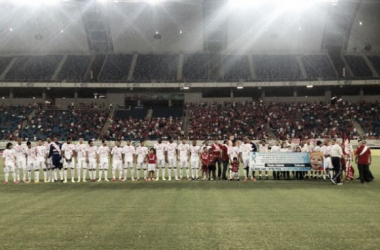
(92, 152)
(20, 151)
(117, 154)
(160, 150)
(68, 150)
(10, 156)
(31, 154)
(171, 149)
(183, 150)
(128, 152)
(41, 151)
(141, 152)
(103, 152)
(81, 150)
(194, 152)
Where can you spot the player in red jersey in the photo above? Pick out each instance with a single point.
(235, 170)
(152, 163)
(211, 165)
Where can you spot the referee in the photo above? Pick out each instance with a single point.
(336, 159)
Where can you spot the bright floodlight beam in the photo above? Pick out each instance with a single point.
(32, 2)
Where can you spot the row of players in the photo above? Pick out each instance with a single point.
(56, 159)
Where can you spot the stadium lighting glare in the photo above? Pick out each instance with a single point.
(32, 2)
(186, 88)
(309, 86)
(360, 23)
(283, 4)
(240, 87)
(10, 29)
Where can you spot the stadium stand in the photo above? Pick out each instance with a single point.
(85, 123)
(74, 68)
(116, 68)
(4, 62)
(196, 67)
(368, 116)
(276, 67)
(167, 112)
(375, 60)
(33, 68)
(11, 119)
(236, 68)
(358, 66)
(318, 66)
(151, 67)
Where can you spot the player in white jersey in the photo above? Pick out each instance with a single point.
(129, 158)
(195, 152)
(91, 160)
(171, 153)
(117, 161)
(263, 148)
(276, 149)
(233, 151)
(245, 153)
(48, 166)
(20, 150)
(68, 151)
(317, 148)
(183, 153)
(31, 158)
(306, 149)
(40, 161)
(141, 152)
(104, 153)
(328, 167)
(160, 153)
(9, 163)
(80, 153)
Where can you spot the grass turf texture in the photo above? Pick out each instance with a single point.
(196, 215)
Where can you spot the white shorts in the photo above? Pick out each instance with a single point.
(9, 168)
(151, 167)
(183, 162)
(49, 163)
(117, 165)
(81, 163)
(104, 163)
(70, 164)
(195, 163)
(160, 163)
(21, 164)
(141, 164)
(246, 163)
(31, 165)
(92, 164)
(172, 162)
(328, 163)
(128, 164)
(40, 163)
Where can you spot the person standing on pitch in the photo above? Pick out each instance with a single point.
(20, 151)
(92, 160)
(336, 159)
(363, 159)
(48, 170)
(184, 151)
(276, 149)
(245, 153)
(31, 158)
(194, 158)
(81, 149)
(225, 159)
(233, 151)
(141, 152)
(129, 159)
(160, 153)
(9, 163)
(68, 150)
(40, 162)
(263, 148)
(104, 153)
(171, 154)
(55, 153)
(117, 161)
(217, 151)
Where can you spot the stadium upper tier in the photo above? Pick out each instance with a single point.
(199, 121)
(197, 67)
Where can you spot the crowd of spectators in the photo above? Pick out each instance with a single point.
(368, 116)
(196, 68)
(318, 66)
(75, 68)
(150, 67)
(358, 66)
(33, 68)
(223, 120)
(11, 120)
(236, 68)
(116, 68)
(77, 123)
(276, 67)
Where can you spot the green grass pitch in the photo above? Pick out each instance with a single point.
(191, 215)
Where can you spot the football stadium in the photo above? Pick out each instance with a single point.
(190, 124)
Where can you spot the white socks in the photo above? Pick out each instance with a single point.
(145, 173)
(78, 173)
(113, 173)
(84, 173)
(120, 173)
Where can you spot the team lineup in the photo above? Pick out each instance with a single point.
(211, 161)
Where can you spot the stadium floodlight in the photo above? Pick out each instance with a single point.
(309, 86)
(282, 4)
